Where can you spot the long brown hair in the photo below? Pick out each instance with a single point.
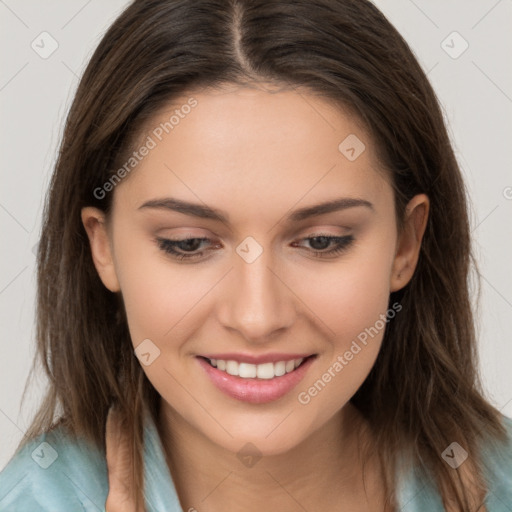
(424, 390)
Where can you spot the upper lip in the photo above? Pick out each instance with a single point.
(256, 359)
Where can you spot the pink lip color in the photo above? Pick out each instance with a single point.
(255, 391)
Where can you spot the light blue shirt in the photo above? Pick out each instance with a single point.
(54, 474)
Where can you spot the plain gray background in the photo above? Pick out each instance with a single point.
(474, 85)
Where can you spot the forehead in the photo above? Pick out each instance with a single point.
(239, 145)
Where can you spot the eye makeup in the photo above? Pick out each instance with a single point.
(188, 248)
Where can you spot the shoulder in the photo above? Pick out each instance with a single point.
(498, 466)
(54, 472)
(418, 492)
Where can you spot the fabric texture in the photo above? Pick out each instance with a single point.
(55, 474)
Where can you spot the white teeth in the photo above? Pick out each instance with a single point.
(260, 371)
(265, 371)
(247, 371)
(279, 368)
(232, 367)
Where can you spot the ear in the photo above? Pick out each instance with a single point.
(409, 241)
(95, 225)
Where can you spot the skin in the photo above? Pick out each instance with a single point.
(257, 155)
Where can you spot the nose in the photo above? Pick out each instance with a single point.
(256, 302)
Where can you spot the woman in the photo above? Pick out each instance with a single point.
(255, 255)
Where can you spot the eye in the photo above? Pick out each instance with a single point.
(184, 249)
(324, 246)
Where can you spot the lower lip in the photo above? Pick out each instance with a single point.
(255, 391)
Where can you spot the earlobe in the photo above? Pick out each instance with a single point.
(94, 223)
(409, 241)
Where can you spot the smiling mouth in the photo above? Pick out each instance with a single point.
(264, 371)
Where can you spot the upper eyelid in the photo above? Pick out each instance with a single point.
(302, 232)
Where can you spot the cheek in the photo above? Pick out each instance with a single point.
(352, 300)
(349, 297)
(157, 294)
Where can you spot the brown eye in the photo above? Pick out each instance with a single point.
(320, 243)
(182, 249)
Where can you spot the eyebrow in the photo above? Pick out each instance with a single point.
(206, 212)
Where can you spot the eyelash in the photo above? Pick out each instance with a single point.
(168, 246)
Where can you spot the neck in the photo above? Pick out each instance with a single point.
(324, 472)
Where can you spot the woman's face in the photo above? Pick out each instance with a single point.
(294, 255)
